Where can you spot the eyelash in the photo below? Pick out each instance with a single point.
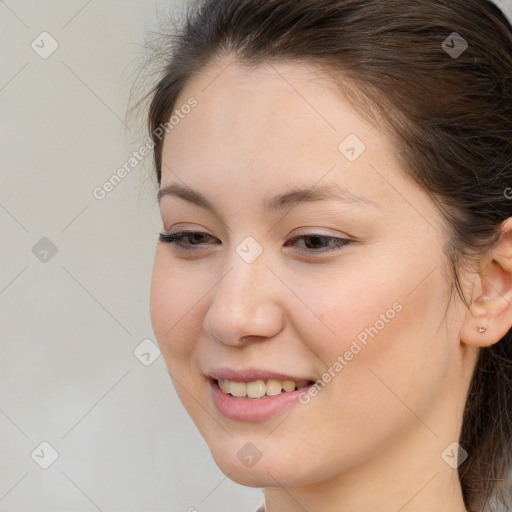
(176, 240)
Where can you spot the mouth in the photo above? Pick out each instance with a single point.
(258, 389)
(256, 400)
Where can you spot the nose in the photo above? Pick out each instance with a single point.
(245, 305)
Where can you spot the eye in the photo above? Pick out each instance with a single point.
(176, 239)
(314, 242)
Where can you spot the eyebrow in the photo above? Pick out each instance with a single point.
(296, 196)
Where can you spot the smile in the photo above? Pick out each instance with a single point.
(255, 400)
(259, 388)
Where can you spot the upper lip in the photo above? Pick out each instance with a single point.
(251, 374)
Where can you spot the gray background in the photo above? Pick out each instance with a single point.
(71, 321)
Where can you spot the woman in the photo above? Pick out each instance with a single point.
(332, 287)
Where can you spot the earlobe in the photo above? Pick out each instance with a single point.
(480, 329)
(490, 315)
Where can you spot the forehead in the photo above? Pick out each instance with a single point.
(266, 129)
(278, 112)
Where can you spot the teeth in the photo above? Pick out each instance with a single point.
(288, 385)
(273, 387)
(238, 388)
(256, 389)
(259, 388)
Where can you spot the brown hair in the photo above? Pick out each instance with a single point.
(449, 115)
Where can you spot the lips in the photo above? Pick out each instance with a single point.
(261, 405)
(254, 374)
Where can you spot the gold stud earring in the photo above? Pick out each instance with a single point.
(481, 329)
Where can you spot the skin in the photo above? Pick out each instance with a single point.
(372, 439)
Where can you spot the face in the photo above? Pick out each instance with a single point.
(348, 291)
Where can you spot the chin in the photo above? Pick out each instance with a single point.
(248, 477)
(272, 469)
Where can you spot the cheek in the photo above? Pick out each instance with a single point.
(377, 336)
(351, 303)
(172, 301)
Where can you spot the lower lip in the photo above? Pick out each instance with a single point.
(253, 409)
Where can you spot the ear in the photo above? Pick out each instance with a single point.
(491, 303)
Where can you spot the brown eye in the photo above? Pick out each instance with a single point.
(321, 243)
(196, 238)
